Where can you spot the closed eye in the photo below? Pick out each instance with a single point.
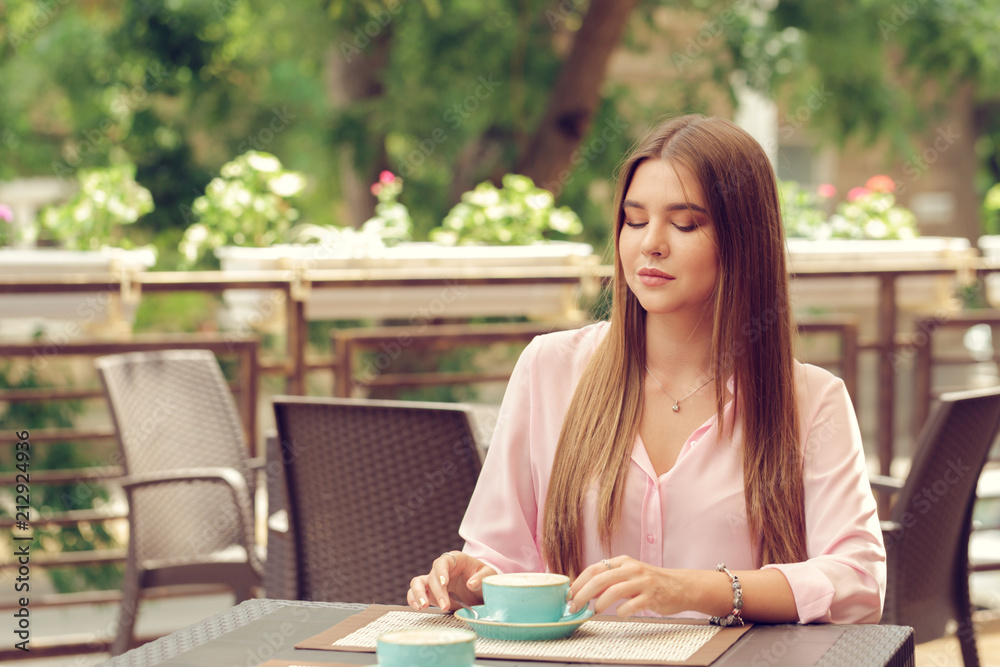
(635, 225)
(688, 228)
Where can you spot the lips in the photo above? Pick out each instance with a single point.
(651, 277)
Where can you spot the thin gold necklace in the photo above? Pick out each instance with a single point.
(677, 401)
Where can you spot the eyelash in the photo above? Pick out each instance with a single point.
(640, 225)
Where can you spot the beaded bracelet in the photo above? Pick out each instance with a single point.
(734, 618)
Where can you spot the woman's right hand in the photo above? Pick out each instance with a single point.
(452, 574)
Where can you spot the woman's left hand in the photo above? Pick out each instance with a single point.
(639, 585)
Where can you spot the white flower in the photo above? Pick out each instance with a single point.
(484, 198)
(541, 200)
(288, 184)
(197, 233)
(876, 229)
(563, 221)
(263, 162)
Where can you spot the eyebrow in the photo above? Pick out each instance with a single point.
(683, 206)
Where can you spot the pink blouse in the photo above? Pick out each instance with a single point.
(694, 515)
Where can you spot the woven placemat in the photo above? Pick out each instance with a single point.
(602, 639)
(300, 663)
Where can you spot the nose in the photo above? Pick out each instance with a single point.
(655, 242)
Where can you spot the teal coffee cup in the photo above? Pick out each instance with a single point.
(526, 597)
(445, 647)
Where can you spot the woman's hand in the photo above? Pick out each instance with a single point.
(639, 585)
(452, 573)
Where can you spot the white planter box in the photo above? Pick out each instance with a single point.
(74, 313)
(915, 293)
(534, 300)
(990, 247)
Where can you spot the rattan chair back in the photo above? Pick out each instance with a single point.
(927, 540)
(173, 410)
(376, 490)
(187, 475)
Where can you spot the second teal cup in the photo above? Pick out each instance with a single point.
(444, 647)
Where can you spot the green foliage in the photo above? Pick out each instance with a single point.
(519, 213)
(801, 213)
(446, 96)
(991, 210)
(873, 215)
(176, 312)
(6, 217)
(46, 499)
(107, 199)
(249, 204)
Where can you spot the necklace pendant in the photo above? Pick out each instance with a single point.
(676, 407)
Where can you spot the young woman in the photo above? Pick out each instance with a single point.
(677, 460)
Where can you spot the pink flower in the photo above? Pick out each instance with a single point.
(6, 213)
(881, 183)
(376, 188)
(826, 191)
(857, 193)
(386, 177)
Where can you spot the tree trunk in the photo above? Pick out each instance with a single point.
(353, 76)
(576, 94)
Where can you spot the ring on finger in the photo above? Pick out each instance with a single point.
(452, 556)
(608, 564)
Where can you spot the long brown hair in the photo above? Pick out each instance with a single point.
(752, 341)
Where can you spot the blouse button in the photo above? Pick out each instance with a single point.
(650, 539)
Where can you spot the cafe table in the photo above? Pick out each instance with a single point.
(260, 630)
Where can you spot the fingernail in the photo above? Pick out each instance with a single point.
(442, 603)
(422, 601)
(441, 579)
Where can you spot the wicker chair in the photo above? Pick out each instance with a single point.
(927, 539)
(187, 477)
(376, 491)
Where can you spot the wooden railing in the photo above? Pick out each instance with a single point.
(245, 391)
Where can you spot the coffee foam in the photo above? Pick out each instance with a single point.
(527, 579)
(426, 637)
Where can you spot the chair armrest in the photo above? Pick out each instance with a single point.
(885, 483)
(278, 522)
(891, 532)
(233, 480)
